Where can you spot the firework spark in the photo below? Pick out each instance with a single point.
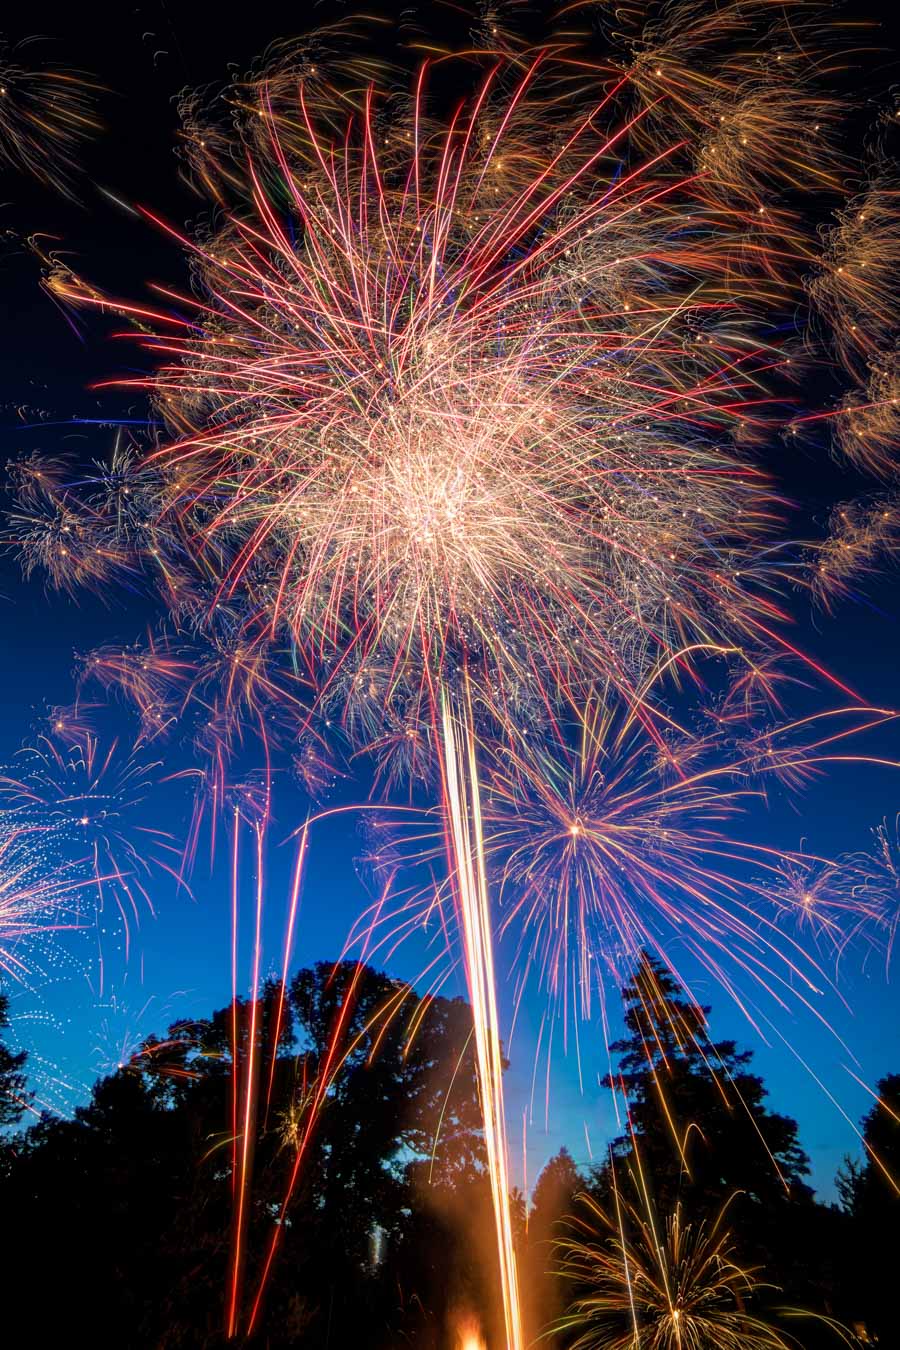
(867, 431)
(864, 536)
(877, 879)
(857, 284)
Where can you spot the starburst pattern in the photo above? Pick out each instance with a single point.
(677, 1287)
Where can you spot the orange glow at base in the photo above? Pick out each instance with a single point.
(469, 1335)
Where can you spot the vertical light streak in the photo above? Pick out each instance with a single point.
(466, 843)
(525, 1163)
(234, 1013)
(288, 946)
(249, 1101)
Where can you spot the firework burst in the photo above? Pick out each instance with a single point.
(820, 899)
(856, 286)
(39, 895)
(46, 114)
(867, 431)
(619, 843)
(59, 533)
(666, 1288)
(864, 536)
(877, 879)
(470, 417)
(88, 797)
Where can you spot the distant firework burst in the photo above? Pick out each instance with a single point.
(86, 797)
(47, 112)
(40, 895)
(822, 900)
(602, 850)
(876, 878)
(864, 538)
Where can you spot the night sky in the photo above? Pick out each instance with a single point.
(179, 962)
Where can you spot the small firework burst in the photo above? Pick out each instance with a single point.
(605, 850)
(867, 427)
(59, 534)
(665, 1286)
(314, 765)
(857, 285)
(89, 797)
(864, 536)
(820, 898)
(772, 126)
(877, 876)
(40, 894)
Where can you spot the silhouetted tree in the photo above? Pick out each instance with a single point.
(13, 1095)
(552, 1202)
(365, 1164)
(130, 1203)
(700, 1131)
(871, 1196)
(698, 1114)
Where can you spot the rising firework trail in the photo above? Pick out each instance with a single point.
(466, 848)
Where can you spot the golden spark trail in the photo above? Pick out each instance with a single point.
(466, 845)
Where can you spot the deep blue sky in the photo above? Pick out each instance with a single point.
(146, 53)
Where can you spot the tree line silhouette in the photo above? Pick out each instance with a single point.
(353, 1120)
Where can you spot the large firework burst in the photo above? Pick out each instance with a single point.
(460, 404)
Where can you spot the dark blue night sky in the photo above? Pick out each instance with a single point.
(180, 962)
